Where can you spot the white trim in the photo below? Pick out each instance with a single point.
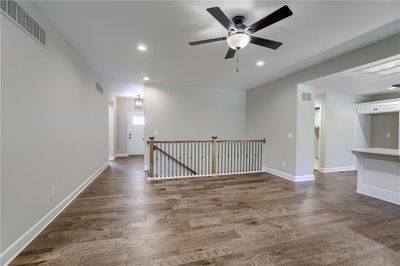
(146, 167)
(15, 248)
(337, 169)
(278, 173)
(118, 155)
(210, 175)
(293, 178)
(111, 158)
(379, 193)
(302, 178)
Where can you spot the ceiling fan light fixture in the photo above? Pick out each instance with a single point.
(238, 41)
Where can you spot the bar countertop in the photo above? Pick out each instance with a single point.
(379, 151)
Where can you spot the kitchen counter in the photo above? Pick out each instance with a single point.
(379, 151)
(378, 173)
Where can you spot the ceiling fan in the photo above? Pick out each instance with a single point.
(240, 35)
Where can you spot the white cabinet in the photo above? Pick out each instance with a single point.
(378, 124)
(386, 106)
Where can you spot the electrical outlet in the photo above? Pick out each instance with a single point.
(53, 191)
(283, 163)
(290, 135)
(388, 135)
(155, 133)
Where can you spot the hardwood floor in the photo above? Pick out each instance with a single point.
(260, 219)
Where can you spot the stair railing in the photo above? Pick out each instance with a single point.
(189, 158)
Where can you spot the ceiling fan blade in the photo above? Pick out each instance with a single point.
(207, 41)
(265, 42)
(217, 13)
(231, 53)
(272, 18)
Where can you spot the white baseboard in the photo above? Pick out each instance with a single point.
(118, 155)
(379, 193)
(302, 178)
(15, 248)
(293, 178)
(337, 169)
(210, 175)
(111, 158)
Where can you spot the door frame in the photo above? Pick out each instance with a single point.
(129, 128)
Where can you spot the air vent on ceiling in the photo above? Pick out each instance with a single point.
(17, 14)
(306, 96)
(99, 88)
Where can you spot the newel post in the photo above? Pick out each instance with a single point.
(151, 157)
(214, 156)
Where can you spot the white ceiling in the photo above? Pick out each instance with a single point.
(358, 81)
(106, 34)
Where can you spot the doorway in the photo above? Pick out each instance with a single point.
(135, 134)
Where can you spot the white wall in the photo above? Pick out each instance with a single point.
(272, 108)
(54, 130)
(178, 113)
(338, 131)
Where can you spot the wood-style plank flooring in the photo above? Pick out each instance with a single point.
(259, 219)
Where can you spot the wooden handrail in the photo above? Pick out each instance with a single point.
(180, 141)
(208, 141)
(175, 160)
(244, 140)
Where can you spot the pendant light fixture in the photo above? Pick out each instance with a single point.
(138, 103)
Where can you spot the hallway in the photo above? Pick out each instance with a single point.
(260, 219)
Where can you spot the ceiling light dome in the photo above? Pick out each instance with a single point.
(238, 41)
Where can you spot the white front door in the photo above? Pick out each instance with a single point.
(135, 133)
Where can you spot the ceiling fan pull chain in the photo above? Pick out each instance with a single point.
(237, 60)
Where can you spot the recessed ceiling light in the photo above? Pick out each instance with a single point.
(141, 47)
(260, 63)
(146, 78)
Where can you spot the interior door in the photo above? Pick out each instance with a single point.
(135, 132)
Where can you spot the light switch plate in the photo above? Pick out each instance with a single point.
(290, 135)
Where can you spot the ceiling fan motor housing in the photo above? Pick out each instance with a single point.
(238, 23)
(238, 20)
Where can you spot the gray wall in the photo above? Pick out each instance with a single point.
(271, 114)
(305, 132)
(112, 126)
(54, 125)
(272, 108)
(381, 124)
(338, 130)
(123, 107)
(193, 113)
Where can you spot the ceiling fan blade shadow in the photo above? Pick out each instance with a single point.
(231, 53)
(208, 41)
(265, 42)
(272, 18)
(217, 13)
